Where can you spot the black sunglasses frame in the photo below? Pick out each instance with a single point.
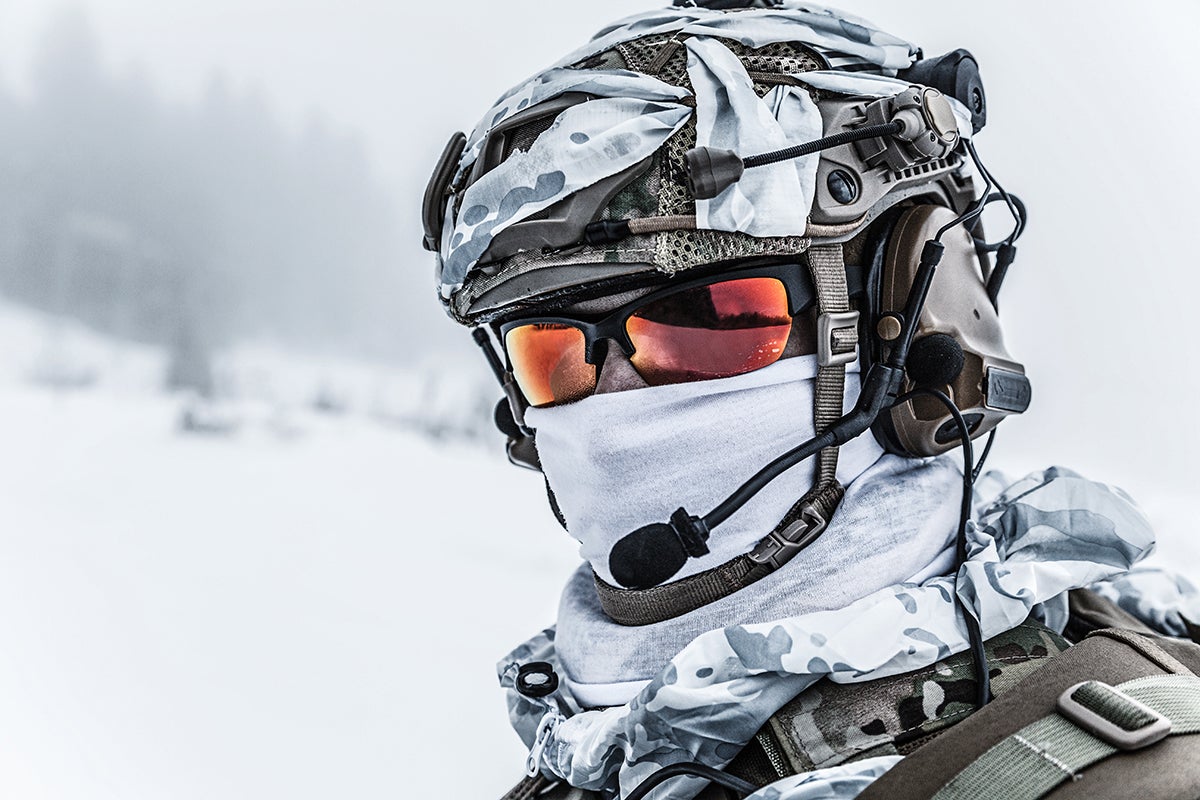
(797, 283)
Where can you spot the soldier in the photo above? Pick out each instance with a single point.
(725, 259)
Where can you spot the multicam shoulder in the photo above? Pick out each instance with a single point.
(834, 723)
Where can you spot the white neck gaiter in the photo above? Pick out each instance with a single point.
(621, 460)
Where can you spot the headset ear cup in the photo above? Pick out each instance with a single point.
(874, 261)
(958, 347)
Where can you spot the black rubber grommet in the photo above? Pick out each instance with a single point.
(536, 679)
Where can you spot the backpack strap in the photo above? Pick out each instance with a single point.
(1090, 612)
(1111, 691)
(529, 788)
(1093, 721)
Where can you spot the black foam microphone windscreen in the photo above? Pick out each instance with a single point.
(647, 557)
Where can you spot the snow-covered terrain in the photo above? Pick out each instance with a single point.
(278, 611)
(300, 598)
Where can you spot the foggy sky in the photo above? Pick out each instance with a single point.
(1091, 104)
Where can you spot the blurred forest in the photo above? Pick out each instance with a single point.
(191, 226)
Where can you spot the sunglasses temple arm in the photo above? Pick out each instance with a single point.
(516, 401)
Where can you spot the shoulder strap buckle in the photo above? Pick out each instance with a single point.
(1113, 716)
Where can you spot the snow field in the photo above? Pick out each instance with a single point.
(309, 605)
(292, 610)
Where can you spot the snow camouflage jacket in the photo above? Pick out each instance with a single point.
(1042, 536)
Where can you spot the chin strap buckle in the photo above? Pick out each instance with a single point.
(779, 548)
(837, 338)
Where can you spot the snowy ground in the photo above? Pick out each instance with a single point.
(277, 612)
(296, 609)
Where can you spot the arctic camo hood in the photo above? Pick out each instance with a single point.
(579, 176)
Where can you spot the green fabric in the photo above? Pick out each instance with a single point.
(1031, 762)
(1100, 698)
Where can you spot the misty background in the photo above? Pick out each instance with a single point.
(257, 537)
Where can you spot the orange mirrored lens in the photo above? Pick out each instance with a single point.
(713, 331)
(548, 363)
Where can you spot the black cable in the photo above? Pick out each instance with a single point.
(1015, 207)
(817, 145)
(764, 476)
(975, 207)
(1007, 248)
(983, 681)
(987, 448)
(1018, 224)
(695, 770)
(489, 352)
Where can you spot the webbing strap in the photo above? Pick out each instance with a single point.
(670, 600)
(833, 299)
(1031, 762)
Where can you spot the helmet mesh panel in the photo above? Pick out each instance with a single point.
(609, 59)
(641, 54)
(522, 138)
(674, 196)
(680, 250)
(782, 57)
(639, 198)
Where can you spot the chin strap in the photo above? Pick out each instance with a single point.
(837, 346)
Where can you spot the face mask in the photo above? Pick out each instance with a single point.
(621, 460)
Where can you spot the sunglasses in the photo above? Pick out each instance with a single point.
(696, 330)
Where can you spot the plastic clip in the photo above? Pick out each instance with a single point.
(827, 326)
(779, 548)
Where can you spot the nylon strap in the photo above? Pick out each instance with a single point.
(829, 278)
(1031, 762)
(529, 788)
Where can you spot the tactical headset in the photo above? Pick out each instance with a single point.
(957, 345)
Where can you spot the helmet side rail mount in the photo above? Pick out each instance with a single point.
(913, 126)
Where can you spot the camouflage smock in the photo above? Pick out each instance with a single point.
(1042, 536)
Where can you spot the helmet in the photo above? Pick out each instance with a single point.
(708, 133)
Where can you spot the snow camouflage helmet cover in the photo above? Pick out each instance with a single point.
(616, 118)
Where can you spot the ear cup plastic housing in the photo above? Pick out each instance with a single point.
(959, 346)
